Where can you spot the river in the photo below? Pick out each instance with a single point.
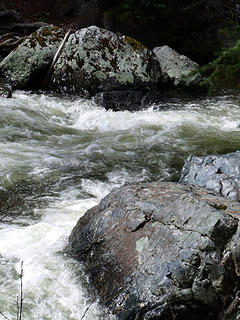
(59, 156)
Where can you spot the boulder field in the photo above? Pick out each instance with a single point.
(162, 251)
(117, 71)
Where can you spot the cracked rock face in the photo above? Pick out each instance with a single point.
(217, 173)
(30, 60)
(162, 251)
(95, 60)
(178, 68)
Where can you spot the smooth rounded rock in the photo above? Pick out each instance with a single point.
(177, 68)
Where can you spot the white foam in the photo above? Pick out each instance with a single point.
(50, 290)
(42, 135)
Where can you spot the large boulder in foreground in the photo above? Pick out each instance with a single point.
(162, 251)
(95, 60)
(218, 173)
(29, 62)
(177, 68)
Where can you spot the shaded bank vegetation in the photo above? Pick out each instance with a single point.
(196, 28)
(190, 27)
(224, 71)
(206, 31)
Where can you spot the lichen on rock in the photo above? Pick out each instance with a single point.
(32, 56)
(98, 60)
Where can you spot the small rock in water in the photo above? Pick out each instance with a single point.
(220, 174)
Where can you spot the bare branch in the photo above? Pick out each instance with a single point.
(15, 200)
(88, 307)
(20, 303)
(4, 316)
(10, 43)
(194, 5)
(17, 308)
(4, 212)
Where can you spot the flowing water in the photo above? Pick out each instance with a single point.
(59, 156)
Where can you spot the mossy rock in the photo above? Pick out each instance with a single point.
(32, 57)
(136, 45)
(95, 60)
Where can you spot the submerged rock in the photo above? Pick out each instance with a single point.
(28, 63)
(128, 99)
(96, 60)
(162, 251)
(218, 173)
(178, 68)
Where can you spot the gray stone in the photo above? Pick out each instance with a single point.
(178, 68)
(220, 174)
(95, 60)
(30, 60)
(162, 251)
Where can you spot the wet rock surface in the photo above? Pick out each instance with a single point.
(162, 251)
(218, 173)
(28, 63)
(127, 100)
(96, 60)
(5, 89)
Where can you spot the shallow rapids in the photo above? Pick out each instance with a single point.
(59, 157)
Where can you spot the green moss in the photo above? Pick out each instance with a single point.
(41, 41)
(36, 37)
(55, 28)
(54, 34)
(46, 32)
(105, 42)
(136, 45)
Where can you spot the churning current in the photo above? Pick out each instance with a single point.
(59, 156)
